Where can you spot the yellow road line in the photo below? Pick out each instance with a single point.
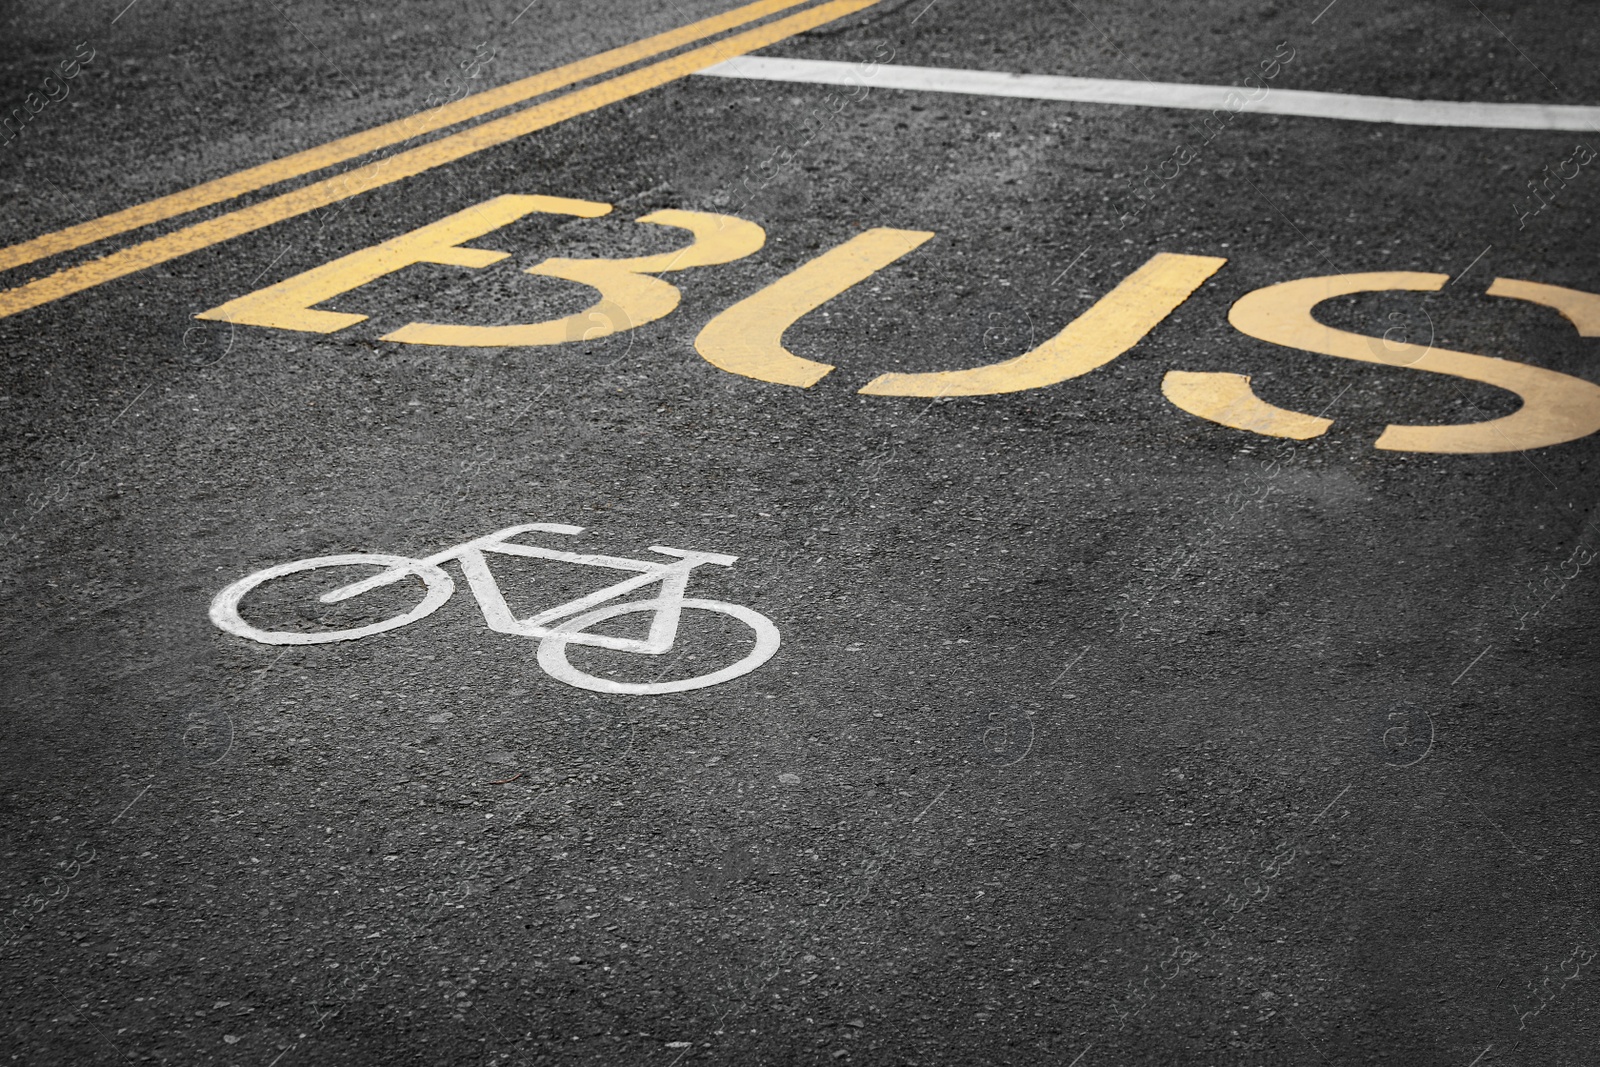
(412, 161)
(392, 133)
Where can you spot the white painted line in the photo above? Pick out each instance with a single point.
(570, 619)
(1348, 106)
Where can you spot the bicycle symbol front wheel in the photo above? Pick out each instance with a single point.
(225, 605)
(553, 649)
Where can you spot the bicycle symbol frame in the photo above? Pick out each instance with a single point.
(555, 628)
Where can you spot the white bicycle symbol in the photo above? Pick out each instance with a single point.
(556, 627)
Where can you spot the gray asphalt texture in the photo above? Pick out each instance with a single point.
(1099, 733)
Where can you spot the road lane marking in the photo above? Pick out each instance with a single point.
(288, 305)
(1576, 306)
(1347, 106)
(379, 137)
(1112, 325)
(629, 293)
(554, 628)
(1556, 407)
(1228, 400)
(413, 161)
(747, 338)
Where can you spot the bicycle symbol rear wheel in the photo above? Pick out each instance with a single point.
(553, 649)
(225, 605)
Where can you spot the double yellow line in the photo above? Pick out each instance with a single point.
(403, 164)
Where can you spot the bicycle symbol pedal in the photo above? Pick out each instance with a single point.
(555, 628)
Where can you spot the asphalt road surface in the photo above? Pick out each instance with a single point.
(1136, 652)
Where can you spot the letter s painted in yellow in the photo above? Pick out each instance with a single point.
(1555, 407)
